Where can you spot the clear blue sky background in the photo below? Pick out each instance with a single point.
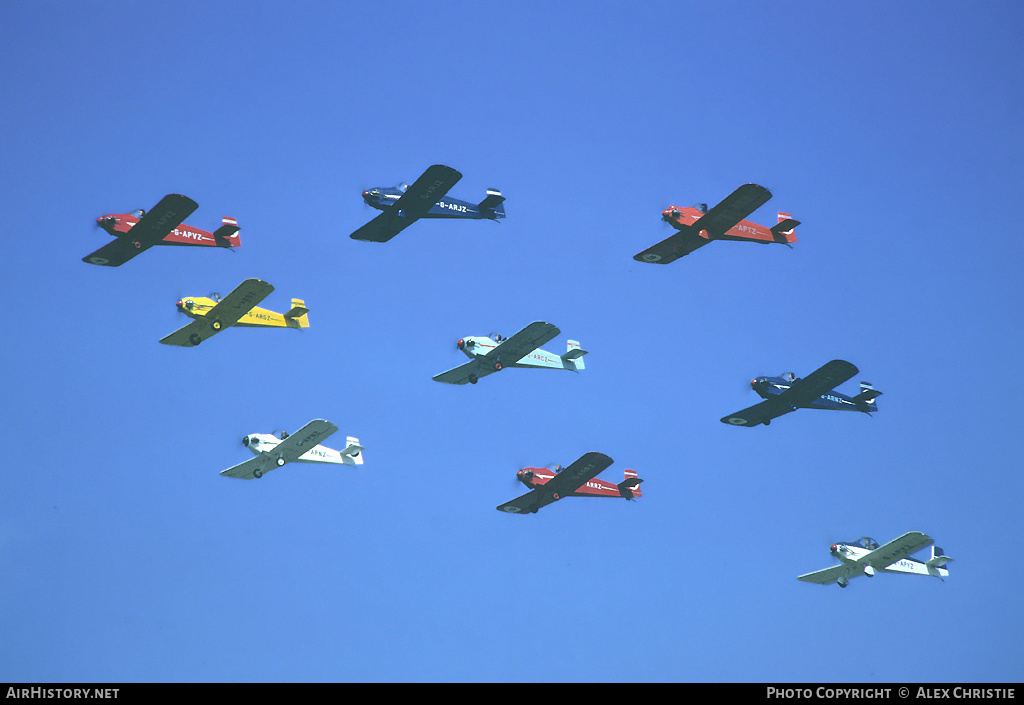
(892, 131)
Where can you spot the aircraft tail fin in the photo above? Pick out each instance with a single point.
(353, 453)
(630, 487)
(936, 564)
(224, 234)
(298, 313)
(491, 207)
(867, 397)
(573, 357)
(785, 230)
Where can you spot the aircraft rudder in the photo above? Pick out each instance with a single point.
(493, 206)
(630, 485)
(227, 234)
(353, 453)
(868, 395)
(785, 230)
(298, 313)
(573, 357)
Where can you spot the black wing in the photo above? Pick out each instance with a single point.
(573, 477)
(426, 191)
(824, 379)
(758, 414)
(672, 248)
(736, 206)
(154, 227)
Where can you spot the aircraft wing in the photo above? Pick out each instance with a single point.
(521, 344)
(303, 440)
(896, 550)
(529, 502)
(829, 575)
(672, 248)
(462, 373)
(247, 470)
(736, 206)
(227, 312)
(757, 414)
(824, 379)
(562, 484)
(572, 478)
(154, 226)
(382, 228)
(412, 205)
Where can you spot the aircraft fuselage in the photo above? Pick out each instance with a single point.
(769, 387)
(120, 225)
(383, 198)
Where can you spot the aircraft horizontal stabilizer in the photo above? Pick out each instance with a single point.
(573, 354)
(782, 231)
(867, 395)
(296, 310)
(353, 452)
(627, 486)
(494, 197)
(938, 558)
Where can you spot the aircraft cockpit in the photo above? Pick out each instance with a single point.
(865, 542)
(403, 187)
(138, 213)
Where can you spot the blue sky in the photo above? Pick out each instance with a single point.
(892, 132)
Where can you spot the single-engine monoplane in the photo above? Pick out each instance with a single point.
(403, 205)
(577, 480)
(815, 391)
(698, 226)
(303, 446)
(213, 314)
(865, 557)
(490, 354)
(137, 231)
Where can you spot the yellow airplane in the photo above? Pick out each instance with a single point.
(214, 314)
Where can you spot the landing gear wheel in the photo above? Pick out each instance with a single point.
(216, 325)
(257, 473)
(280, 462)
(472, 379)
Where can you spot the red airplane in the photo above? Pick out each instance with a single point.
(138, 231)
(577, 480)
(698, 226)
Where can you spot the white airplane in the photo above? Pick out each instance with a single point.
(301, 447)
(865, 557)
(488, 355)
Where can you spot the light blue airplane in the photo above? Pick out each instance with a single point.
(490, 354)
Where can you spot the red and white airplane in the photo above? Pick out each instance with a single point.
(138, 231)
(698, 226)
(577, 480)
